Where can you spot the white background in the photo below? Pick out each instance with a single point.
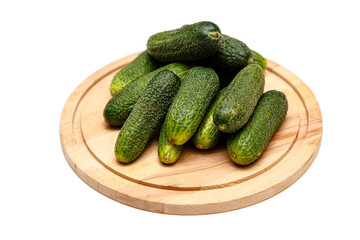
(47, 48)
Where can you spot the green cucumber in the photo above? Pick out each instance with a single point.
(187, 110)
(247, 145)
(120, 105)
(168, 152)
(208, 135)
(238, 103)
(232, 56)
(188, 43)
(146, 116)
(140, 66)
(258, 59)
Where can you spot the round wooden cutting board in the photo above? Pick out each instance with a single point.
(201, 182)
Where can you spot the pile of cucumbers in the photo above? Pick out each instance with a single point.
(199, 85)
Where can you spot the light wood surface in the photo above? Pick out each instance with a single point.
(201, 182)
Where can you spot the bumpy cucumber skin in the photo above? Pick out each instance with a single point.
(120, 105)
(247, 145)
(168, 152)
(240, 99)
(146, 116)
(187, 110)
(208, 135)
(259, 59)
(188, 43)
(140, 66)
(232, 56)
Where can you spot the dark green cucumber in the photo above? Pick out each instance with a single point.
(247, 145)
(120, 105)
(258, 59)
(188, 43)
(240, 98)
(140, 66)
(208, 135)
(187, 110)
(168, 152)
(146, 116)
(232, 56)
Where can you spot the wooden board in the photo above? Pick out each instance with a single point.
(201, 182)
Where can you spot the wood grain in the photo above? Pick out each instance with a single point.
(201, 182)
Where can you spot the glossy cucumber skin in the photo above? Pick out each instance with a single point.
(208, 135)
(240, 99)
(188, 43)
(259, 59)
(140, 66)
(120, 105)
(247, 145)
(186, 112)
(146, 116)
(232, 56)
(168, 152)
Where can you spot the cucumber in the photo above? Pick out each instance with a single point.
(146, 116)
(120, 105)
(232, 56)
(258, 59)
(187, 110)
(140, 66)
(188, 43)
(168, 152)
(247, 145)
(208, 135)
(238, 103)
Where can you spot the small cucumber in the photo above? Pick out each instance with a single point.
(247, 145)
(187, 110)
(140, 66)
(120, 105)
(258, 59)
(232, 56)
(168, 152)
(238, 103)
(146, 116)
(208, 135)
(188, 43)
